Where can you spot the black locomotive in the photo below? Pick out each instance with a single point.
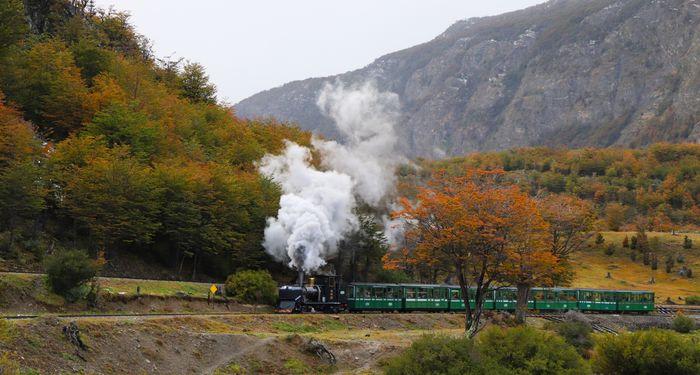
(322, 293)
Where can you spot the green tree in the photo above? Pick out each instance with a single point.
(115, 198)
(645, 353)
(252, 287)
(120, 125)
(69, 270)
(195, 85)
(14, 25)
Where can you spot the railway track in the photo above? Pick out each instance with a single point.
(558, 318)
(125, 315)
(673, 310)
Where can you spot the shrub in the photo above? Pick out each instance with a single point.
(687, 243)
(435, 355)
(683, 324)
(8, 365)
(633, 243)
(7, 332)
(610, 249)
(599, 239)
(525, 350)
(692, 300)
(69, 270)
(646, 352)
(576, 333)
(252, 287)
(626, 242)
(633, 255)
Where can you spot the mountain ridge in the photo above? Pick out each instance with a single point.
(565, 72)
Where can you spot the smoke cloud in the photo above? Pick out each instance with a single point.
(317, 206)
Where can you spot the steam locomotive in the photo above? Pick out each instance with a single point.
(324, 293)
(327, 293)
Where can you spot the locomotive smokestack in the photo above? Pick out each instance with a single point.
(300, 279)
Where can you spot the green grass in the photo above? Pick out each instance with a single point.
(295, 366)
(153, 287)
(294, 328)
(41, 292)
(8, 333)
(230, 369)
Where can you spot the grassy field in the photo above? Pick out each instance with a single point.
(593, 265)
(122, 286)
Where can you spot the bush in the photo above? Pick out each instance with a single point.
(67, 271)
(626, 242)
(610, 249)
(599, 239)
(687, 243)
(435, 355)
(646, 352)
(252, 287)
(575, 333)
(633, 243)
(692, 300)
(521, 350)
(525, 350)
(683, 324)
(8, 365)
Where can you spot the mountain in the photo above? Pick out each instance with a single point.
(563, 73)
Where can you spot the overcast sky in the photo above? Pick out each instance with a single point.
(253, 45)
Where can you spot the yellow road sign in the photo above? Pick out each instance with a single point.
(213, 288)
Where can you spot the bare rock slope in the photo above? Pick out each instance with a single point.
(566, 72)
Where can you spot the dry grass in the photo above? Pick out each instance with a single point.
(592, 266)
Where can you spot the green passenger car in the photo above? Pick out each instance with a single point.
(433, 297)
(419, 297)
(367, 296)
(554, 299)
(635, 301)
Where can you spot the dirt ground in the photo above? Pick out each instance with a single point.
(231, 344)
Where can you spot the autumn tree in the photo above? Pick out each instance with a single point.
(45, 83)
(528, 259)
(615, 215)
(22, 183)
(471, 223)
(570, 222)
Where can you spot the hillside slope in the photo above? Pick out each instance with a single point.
(566, 72)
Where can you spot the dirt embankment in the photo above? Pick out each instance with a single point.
(246, 343)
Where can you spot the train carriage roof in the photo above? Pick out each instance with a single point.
(386, 285)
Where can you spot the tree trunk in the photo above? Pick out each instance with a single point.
(194, 266)
(521, 305)
(468, 323)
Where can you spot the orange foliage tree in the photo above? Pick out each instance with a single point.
(528, 260)
(484, 230)
(571, 221)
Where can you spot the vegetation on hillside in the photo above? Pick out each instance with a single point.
(660, 184)
(105, 148)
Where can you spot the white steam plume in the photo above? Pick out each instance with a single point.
(316, 208)
(366, 117)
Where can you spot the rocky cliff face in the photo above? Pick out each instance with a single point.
(566, 72)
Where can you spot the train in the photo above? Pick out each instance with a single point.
(330, 295)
